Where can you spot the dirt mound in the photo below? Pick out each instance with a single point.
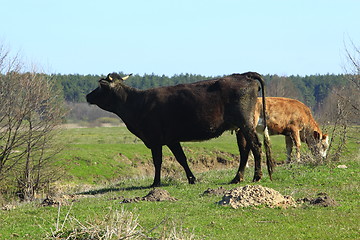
(154, 195)
(321, 200)
(8, 207)
(256, 195)
(157, 194)
(63, 200)
(219, 191)
(49, 202)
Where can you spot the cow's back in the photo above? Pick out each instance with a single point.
(197, 111)
(285, 114)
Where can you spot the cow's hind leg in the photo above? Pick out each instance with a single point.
(179, 154)
(289, 147)
(244, 150)
(157, 159)
(255, 146)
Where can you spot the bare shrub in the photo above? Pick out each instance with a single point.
(341, 109)
(30, 112)
(117, 224)
(282, 87)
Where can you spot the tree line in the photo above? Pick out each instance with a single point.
(312, 90)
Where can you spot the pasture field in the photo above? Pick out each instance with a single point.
(102, 166)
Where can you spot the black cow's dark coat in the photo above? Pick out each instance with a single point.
(185, 112)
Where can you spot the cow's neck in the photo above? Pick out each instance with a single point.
(127, 107)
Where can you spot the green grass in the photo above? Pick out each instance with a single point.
(96, 155)
(91, 156)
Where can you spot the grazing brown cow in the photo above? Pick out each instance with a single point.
(293, 119)
(186, 112)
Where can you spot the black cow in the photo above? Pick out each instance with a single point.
(186, 112)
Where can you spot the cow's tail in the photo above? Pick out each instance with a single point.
(269, 160)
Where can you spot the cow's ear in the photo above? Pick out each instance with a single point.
(316, 135)
(103, 82)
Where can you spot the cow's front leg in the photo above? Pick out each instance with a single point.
(297, 143)
(157, 159)
(179, 154)
(244, 150)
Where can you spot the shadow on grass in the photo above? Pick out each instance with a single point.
(116, 189)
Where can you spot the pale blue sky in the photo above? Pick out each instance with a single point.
(208, 37)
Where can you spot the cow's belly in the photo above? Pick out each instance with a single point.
(273, 129)
(196, 132)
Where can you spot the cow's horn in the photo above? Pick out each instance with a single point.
(110, 78)
(126, 77)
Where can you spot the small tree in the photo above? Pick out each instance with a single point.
(30, 111)
(282, 87)
(353, 70)
(341, 107)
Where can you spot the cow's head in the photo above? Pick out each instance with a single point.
(321, 144)
(109, 92)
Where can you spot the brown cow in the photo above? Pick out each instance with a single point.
(293, 119)
(186, 112)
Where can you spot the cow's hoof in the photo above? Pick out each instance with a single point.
(236, 180)
(256, 178)
(154, 185)
(192, 180)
